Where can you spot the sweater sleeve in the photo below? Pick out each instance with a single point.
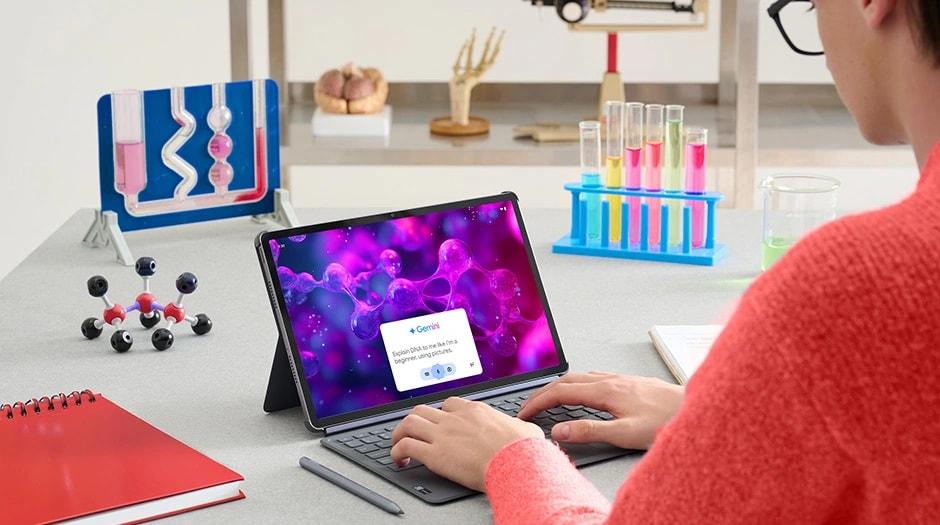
(748, 444)
(531, 481)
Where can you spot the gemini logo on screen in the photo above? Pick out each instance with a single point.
(420, 329)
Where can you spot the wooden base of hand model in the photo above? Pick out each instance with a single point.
(464, 79)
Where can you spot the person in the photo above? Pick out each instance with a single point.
(820, 400)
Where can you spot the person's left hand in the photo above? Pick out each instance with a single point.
(459, 440)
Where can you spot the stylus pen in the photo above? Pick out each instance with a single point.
(350, 486)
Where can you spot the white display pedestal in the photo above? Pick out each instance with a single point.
(335, 125)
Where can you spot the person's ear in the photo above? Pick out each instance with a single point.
(877, 12)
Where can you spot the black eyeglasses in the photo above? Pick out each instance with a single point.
(774, 11)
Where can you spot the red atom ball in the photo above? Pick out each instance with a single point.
(172, 311)
(145, 300)
(115, 312)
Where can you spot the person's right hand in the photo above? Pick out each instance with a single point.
(640, 406)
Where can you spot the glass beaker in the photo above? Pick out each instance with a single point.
(794, 204)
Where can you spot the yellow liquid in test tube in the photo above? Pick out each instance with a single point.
(614, 180)
(672, 169)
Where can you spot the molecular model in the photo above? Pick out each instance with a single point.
(150, 310)
(407, 296)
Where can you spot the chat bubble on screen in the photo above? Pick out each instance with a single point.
(431, 349)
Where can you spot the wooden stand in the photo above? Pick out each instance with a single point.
(447, 127)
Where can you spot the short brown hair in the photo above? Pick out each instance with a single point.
(925, 15)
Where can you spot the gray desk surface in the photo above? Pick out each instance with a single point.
(207, 391)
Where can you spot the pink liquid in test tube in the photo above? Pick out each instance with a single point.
(696, 139)
(127, 120)
(129, 174)
(633, 164)
(654, 182)
(634, 175)
(655, 133)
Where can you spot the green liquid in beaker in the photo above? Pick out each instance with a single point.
(772, 249)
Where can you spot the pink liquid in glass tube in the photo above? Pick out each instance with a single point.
(695, 183)
(261, 170)
(634, 176)
(654, 182)
(129, 174)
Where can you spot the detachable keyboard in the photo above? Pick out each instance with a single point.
(370, 447)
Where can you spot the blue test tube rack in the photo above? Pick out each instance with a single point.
(576, 242)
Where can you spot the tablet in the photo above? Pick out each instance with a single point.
(385, 312)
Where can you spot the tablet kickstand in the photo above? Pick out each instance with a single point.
(282, 391)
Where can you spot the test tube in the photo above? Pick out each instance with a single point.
(591, 177)
(633, 154)
(654, 165)
(614, 114)
(696, 140)
(127, 119)
(673, 175)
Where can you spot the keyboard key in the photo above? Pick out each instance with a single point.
(571, 407)
(376, 432)
(604, 415)
(506, 407)
(562, 417)
(381, 453)
(344, 439)
(386, 435)
(411, 464)
(577, 413)
(524, 396)
(385, 461)
(362, 435)
(385, 443)
(353, 443)
(390, 428)
(371, 439)
(365, 449)
(590, 410)
(555, 411)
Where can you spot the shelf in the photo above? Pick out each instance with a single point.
(804, 135)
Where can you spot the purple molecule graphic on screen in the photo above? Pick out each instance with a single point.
(275, 250)
(340, 286)
(409, 296)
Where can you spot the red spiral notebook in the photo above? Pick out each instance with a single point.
(81, 457)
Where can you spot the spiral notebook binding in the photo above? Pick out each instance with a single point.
(61, 401)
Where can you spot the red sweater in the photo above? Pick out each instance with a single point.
(820, 401)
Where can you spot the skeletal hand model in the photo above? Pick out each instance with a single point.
(467, 77)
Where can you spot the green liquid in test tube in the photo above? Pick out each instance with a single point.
(673, 169)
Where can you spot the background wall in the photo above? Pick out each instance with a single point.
(418, 40)
(57, 58)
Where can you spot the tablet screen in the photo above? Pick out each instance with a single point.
(403, 307)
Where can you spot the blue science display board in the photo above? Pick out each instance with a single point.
(189, 154)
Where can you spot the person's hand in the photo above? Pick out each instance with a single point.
(640, 406)
(459, 440)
